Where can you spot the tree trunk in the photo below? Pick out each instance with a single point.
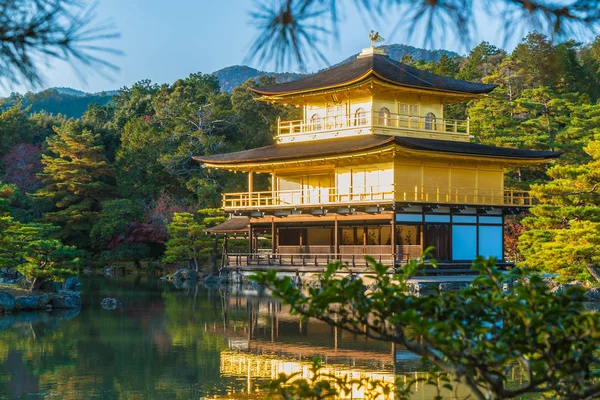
(213, 256)
(594, 271)
(35, 284)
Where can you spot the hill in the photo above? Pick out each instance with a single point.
(233, 76)
(73, 103)
(66, 101)
(397, 51)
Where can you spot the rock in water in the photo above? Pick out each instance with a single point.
(190, 275)
(109, 303)
(29, 303)
(72, 284)
(7, 302)
(593, 294)
(66, 300)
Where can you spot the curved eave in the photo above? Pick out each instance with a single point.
(362, 146)
(312, 90)
(364, 79)
(507, 160)
(379, 145)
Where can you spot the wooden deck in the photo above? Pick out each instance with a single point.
(297, 265)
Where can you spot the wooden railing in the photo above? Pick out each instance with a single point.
(374, 195)
(374, 118)
(308, 260)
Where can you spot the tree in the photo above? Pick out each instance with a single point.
(185, 242)
(15, 127)
(482, 60)
(48, 29)
(30, 249)
(121, 233)
(563, 232)
(76, 179)
(139, 170)
(49, 260)
(114, 219)
(188, 241)
(470, 336)
(21, 166)
(99, 119)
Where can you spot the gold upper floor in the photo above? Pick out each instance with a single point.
(372, 109)
(372, 94)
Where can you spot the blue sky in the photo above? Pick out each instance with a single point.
(164, 40)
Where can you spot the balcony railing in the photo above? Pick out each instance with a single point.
(366, 195)
(374, 119)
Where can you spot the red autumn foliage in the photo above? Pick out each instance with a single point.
(21, 165)
(512, 230)
(164, 207)
(139, 232)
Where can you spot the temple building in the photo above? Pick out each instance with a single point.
(372, 168)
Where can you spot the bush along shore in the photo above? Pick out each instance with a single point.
(55, 295)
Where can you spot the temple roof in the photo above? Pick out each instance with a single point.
(232, 225)
(381, 67)
(356, 144)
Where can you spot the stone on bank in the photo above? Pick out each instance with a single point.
(7, 302)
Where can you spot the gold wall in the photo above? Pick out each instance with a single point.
(411, 177)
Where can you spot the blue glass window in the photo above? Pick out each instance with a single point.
(490, 241)
(464, 219)
(490, 220)
(409, 218)
(437, 218)
(464, 242)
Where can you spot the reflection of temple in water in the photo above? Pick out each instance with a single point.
(264, 339)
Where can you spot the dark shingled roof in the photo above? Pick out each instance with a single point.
(232, 225)
(384, 68)
(287, 151)
(353, 144)
(449, 146)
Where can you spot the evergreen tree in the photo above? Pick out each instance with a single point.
(48, 259)
(76, 179)
(480, 62)
(188, 242)
(185, 244)
(563, 232)
(16, 127)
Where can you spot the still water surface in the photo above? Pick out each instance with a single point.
(177, 343)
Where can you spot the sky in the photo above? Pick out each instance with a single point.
(164, 40)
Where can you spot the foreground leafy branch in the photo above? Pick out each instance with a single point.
(475, 335)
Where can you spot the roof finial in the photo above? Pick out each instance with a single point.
(375, 37)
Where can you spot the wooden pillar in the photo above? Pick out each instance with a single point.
(336, 236)
(364, 239)
(393, 237)
(250, 182)
(273, 235)
(250, 239)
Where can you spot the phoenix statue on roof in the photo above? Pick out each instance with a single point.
(375, 37)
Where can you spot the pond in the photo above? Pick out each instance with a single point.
(178, 343)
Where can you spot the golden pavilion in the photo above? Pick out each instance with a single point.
(373, 168)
